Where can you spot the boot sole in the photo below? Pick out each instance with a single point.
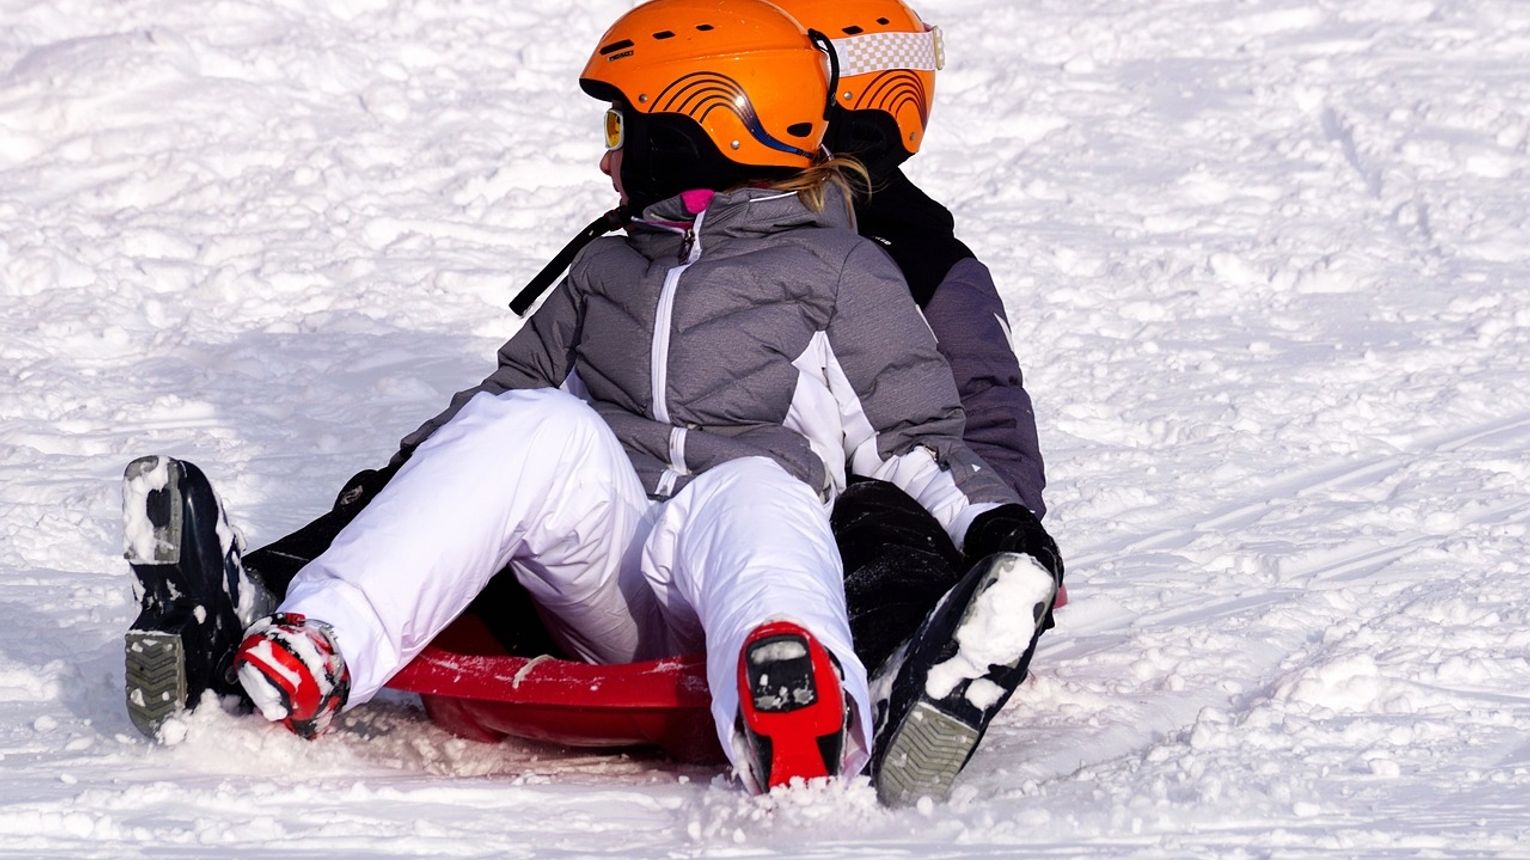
(924, 756)
(930, 747)
(166, 516)
(156, 684)
(792, 706)
(156, 678)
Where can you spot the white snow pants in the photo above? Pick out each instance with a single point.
(536, 480)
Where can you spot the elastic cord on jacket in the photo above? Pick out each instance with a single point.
(614, 220)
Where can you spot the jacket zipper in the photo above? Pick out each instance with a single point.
(664, 317)
(687, 242)
(658, 356)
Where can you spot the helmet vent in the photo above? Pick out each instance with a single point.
(705, 27)
(664, 34)
(801, 129)
(615, 46)
(853, 30)
(883, 21)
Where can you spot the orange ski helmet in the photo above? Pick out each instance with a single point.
(711, 91)
(888, 58)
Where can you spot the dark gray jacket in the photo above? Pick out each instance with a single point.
(968, 318)
(760, 329)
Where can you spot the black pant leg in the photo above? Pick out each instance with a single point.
(899, 562)
(279, 561)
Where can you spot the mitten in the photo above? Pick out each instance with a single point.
(1012, 528)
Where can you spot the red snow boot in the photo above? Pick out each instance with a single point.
(291, 667)
(791, 706)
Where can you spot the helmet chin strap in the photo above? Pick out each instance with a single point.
(614, 220)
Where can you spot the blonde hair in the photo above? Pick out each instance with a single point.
(838, 171)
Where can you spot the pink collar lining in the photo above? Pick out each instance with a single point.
(697, 199)
(696, 202)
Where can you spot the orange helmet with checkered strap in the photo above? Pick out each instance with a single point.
(742, 72)
(887, 58)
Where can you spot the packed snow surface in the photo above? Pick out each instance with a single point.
(1266, 263)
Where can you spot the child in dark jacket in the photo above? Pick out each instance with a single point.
(898, 562)
(654, 457)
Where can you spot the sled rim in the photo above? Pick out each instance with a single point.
(672, 682)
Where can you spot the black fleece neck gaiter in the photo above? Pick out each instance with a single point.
(918, 232)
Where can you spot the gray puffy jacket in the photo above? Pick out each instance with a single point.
(756, 327)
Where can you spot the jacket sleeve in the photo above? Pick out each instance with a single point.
(540, 355)
(972, 333)
(898, 403)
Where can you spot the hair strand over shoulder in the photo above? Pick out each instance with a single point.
(838, 171)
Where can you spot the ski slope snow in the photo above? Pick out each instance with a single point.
(1266, 263)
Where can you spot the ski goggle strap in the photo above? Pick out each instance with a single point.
(616, 130)
(879, 52)
(825, 44)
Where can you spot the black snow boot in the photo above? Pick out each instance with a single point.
(934, 698)
(195, 596)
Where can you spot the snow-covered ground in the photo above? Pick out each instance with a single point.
(1268, 264)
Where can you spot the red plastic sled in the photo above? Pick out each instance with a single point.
(475, 690)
